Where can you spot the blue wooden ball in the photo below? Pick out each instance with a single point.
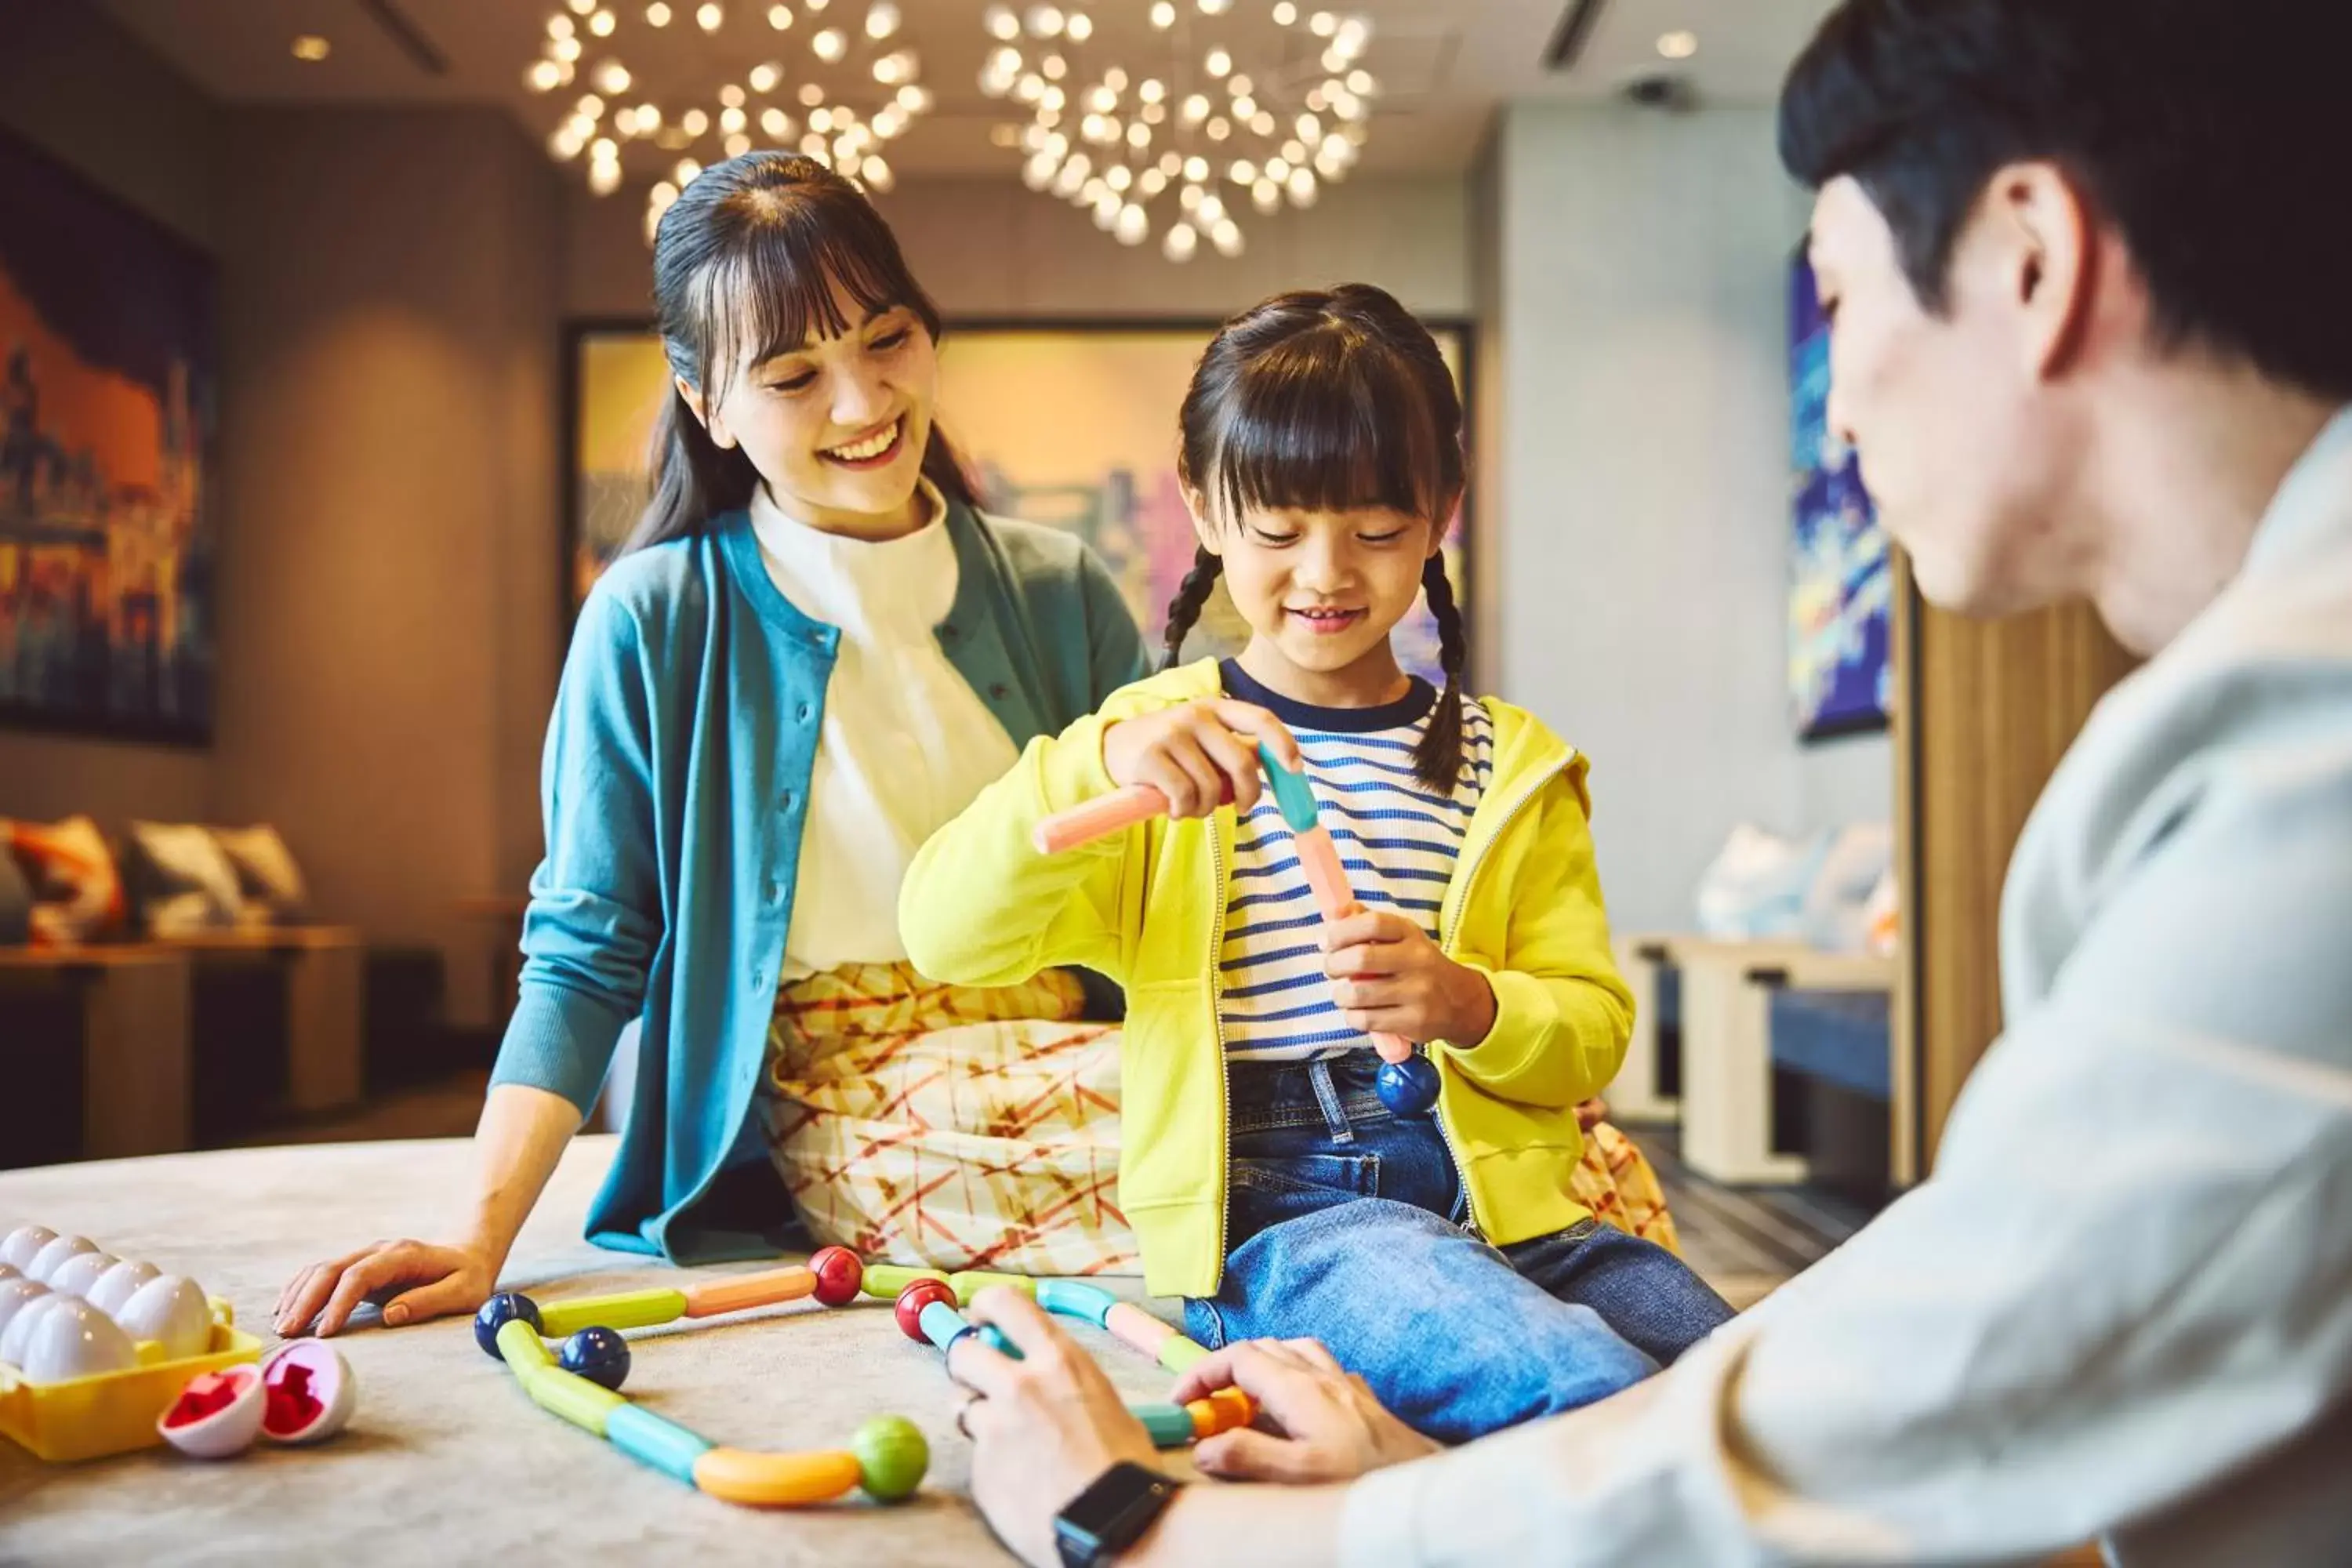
(497, 1313)
(1408, 1088)
(600, 1355)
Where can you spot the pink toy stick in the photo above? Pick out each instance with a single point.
(1138, 1328)
(1112, 813)
(1319, 858)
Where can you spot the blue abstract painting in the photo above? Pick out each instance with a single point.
(1841, 581)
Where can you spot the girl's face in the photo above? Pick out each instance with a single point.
(837, 428)
(1321, 591)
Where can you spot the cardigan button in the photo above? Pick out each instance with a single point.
(999, 692)
(949, 632)
(804, 711)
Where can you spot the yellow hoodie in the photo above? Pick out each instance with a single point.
(1147, 908)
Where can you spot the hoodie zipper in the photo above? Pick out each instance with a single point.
(1450, 928)
(1217, 1023)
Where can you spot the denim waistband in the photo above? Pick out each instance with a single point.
(1336, 1092)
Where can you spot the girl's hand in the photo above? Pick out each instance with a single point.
(1388, 977)
(1199, 754)
(440, 1280)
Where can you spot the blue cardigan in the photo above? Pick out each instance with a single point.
(675, 785)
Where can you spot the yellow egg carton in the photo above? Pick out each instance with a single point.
(113, 1412)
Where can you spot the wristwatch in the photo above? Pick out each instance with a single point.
(1110, 1515)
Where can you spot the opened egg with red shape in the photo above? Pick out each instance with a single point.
(309, 1392)
(218, 1415)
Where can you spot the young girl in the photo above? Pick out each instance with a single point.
(816, 650)
(1321, 456)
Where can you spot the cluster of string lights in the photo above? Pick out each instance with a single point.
(856, 87)
(1178, 141)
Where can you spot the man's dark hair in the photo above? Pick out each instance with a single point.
(2213, 135)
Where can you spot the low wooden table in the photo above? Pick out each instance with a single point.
(325, 975)
(134, 1033)
(502, 916)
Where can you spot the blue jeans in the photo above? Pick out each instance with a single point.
(1345, 1226)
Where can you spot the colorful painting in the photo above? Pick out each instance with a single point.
(1074, 428)
(1841, 595)
(107, 418)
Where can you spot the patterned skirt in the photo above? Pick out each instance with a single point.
(954, 1127)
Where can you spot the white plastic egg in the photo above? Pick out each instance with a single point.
(19, 1331)
(16, 1296)
(118, 1285)
(74, 1339)
(171, 1311)
(310, 1392)
(218, 1415)
(76, 1274)
(52, 1258)
(24, 1244)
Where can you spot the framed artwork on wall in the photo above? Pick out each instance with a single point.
(108, 411)
(1072, 424)
(1841, 582)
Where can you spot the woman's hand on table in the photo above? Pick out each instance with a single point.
(433, 1281)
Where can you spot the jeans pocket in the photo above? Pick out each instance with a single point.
(1266, 1191)
(1334, 1178)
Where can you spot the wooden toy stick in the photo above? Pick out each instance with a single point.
(743, 1291)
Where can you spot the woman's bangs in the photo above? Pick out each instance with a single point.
(777, 291)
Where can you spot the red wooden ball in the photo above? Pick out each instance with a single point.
(838, 1275)
(917, 1295)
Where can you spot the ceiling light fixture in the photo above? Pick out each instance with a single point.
(858, 77)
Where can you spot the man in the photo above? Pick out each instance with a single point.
(2086, 261)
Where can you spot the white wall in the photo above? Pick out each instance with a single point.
(1639, 266)
(389, 662)
(993, 248)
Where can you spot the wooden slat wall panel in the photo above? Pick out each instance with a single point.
(1989, 707)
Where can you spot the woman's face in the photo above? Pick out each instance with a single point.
(837, 428)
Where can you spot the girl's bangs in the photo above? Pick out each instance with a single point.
(1315, 426)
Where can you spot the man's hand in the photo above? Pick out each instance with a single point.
(1319, 1423)
(1042, 1428)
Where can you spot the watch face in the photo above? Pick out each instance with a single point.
(1114, 1510)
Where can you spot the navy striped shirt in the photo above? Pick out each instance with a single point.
(1397, 838)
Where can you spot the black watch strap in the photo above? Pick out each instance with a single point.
(1111, 1514)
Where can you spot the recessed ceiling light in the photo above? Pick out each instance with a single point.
(310, 46)
(1678, 45)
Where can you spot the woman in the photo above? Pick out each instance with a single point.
(815, 651)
